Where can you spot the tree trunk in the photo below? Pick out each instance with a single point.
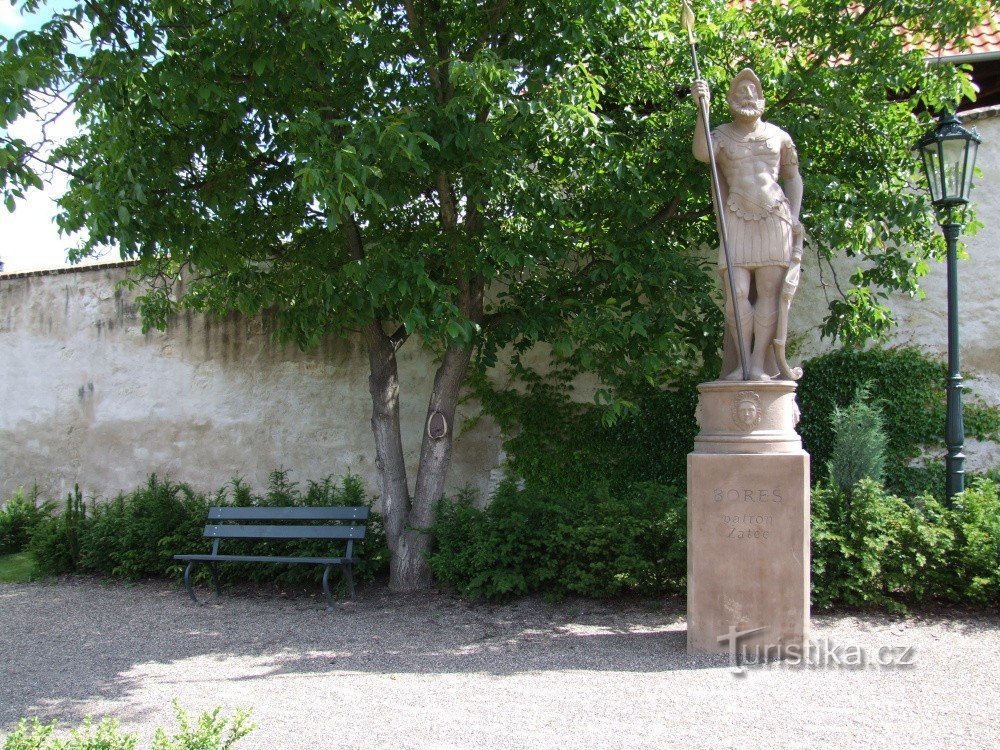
(435, 448)
(383, 382)
(406, 522)
(435, 459)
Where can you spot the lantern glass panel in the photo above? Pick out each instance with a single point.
(970, 167)
(953, 150)
(931, 166)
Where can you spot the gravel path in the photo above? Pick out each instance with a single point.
(435, 672)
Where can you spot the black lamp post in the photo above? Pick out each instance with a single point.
(949, 156)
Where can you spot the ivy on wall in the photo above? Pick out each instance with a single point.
(599, 510)
(908, 388)
(560, 443)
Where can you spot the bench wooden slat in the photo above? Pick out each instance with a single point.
(233, 531)
(264, 558)
(338, 513)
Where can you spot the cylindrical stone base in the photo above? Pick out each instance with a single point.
(748, 522)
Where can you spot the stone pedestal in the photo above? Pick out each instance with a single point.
(748, 521)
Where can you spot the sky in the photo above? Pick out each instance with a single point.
(29, 238)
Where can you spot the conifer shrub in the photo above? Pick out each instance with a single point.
(859, 443)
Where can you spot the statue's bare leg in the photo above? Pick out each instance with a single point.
(741, 283)
(768, 281)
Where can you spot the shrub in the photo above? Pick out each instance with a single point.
(875, 549)
(972, 571)
(596, 543)
(560, 444)
(18, 519)
(871, 547)
(858, 445)
(208, 732)
(564, 445)
(55, 541)
(136, 534)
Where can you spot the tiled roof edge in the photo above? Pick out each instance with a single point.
(70, 269)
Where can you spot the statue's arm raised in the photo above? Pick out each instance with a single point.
(700, 92)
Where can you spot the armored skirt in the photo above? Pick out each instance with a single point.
(756, 242)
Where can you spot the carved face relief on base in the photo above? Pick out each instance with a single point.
(746, 410)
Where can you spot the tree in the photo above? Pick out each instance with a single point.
(482, 177)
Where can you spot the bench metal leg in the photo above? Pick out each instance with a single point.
(191, 566)
(349, 579)
(215, 578)
(326, 587)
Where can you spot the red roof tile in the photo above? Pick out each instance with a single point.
(982, 40)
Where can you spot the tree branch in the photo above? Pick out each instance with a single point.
(352, 238)
(31, 153)
(667, 212)
(112, 23)
(420, 34)
(448, 208)
(492, 22)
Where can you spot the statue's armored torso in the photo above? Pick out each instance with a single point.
(757, 212)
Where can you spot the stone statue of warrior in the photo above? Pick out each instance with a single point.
(765, 236)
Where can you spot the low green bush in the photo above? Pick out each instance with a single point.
(971, 573)
(136, 534)
(869, 546)
(598, 543)
(18, 518)
(209, 731)
(893, 544)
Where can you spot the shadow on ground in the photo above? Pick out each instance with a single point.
(70, 645)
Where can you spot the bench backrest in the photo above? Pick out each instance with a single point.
(352, 528)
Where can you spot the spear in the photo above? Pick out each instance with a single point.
(687, 23)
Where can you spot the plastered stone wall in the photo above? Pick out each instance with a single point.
(86, 397)
(924, 322)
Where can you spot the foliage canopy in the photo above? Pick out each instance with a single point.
(340, 162)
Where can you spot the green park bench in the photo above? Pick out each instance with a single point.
(341, 523)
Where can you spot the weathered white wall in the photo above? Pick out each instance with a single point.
(86, 397)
